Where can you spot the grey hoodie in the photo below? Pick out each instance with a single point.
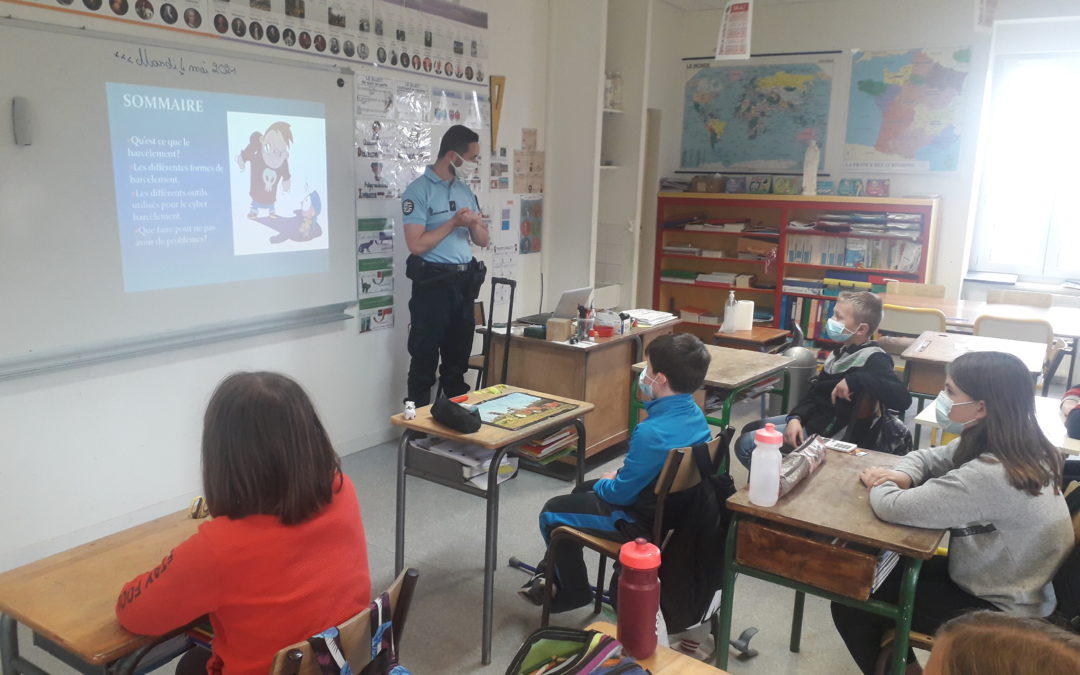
(1013, 543)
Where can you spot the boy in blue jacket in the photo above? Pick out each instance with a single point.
(621, 505)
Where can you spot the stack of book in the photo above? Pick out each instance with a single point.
(803, 286)
(678, 276)
(727, 278)
(719, 225)
(649, 317)
(474, 460)
(551, 447)
(810, 313)
(681, 249)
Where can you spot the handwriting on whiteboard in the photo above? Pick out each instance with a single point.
(144, 58)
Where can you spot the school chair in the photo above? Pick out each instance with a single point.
(1026, 330)
(679, 473)
(1029, 298)
(1045, 301)
(476, 361)
(918, 290)
(899, 327)
(355, 634)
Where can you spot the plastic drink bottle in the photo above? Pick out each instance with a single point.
(639, 597)
(765, 466)
(728, 324)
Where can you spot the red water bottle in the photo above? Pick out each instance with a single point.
(639, 597)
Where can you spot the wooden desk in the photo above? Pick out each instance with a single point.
(492, 438)
(1047, 412)
(664, 661)
(70, 598)
(758, 338)
(962, 314)
(931, 352)
(730, 370)
(832, 502)
(595, 372)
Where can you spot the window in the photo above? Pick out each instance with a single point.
(1027, 219)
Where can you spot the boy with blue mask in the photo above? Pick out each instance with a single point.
(620, 506)
(856, 368)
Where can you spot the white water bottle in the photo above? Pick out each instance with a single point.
(728, 325)
(765, 466)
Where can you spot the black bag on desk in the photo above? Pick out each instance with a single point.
(457, 417)
(691, 566)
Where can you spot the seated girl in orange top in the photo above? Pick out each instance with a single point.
(284, 556)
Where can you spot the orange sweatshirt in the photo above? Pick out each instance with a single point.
(265, 585)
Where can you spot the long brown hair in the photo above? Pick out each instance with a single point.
(1009, 431)
(993, 643)
(264, 450)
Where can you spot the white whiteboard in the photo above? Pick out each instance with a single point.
(61, 280)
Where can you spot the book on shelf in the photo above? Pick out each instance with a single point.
(744, 280)
(713, 253)
(682, 250)
(678, 280)
(718, 278)
(680, 222)
(709, 318)
(802, 285)
(717, 226)
(854, 252)
(679, 276)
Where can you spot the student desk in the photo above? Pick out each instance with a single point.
(792, 544)
(931, 352)
(492, 438)
(730, 370)
(758, 339)
(1047, 412)
(593, 371)
(69, 599)
(962, 314)
(664, 661)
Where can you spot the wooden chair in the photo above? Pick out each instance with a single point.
(1029, 298)
(1026, 330)
(919, 290)
(298, 659)
(476, 361)
(679, 473)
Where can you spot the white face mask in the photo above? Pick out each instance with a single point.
(943, 405)
(467, 170)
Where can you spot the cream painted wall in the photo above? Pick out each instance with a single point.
(92, 450)
(860, 24)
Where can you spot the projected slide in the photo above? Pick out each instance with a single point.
(212, 187)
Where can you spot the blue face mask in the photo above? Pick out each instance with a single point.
(644, 387)
(834, 330)
(943, 405)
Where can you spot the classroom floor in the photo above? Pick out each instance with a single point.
(445, 542)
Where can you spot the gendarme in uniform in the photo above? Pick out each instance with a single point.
(445, 278)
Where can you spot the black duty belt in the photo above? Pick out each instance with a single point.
(444, 267)
(974, 529)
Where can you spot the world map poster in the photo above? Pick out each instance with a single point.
(754, 116)
(905, 109)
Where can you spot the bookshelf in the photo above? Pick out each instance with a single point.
(900, 247)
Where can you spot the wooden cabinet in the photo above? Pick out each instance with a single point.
(694, 260)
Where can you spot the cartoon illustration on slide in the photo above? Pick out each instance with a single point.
(303, 225)
(268, 154)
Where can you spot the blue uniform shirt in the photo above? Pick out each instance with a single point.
(431, 201)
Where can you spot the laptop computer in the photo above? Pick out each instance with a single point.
(566, 309)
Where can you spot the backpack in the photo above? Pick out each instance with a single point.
(1067, 580)
(571, 651)
(888, 433)
(691, 567)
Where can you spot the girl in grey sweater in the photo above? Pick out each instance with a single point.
(996, 488)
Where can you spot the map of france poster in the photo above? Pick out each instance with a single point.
(758, 115)
(905, 109)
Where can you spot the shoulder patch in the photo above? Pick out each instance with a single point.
(407, 206)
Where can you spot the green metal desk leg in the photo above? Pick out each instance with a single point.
(727, 596)
(796, 621)
(905, 607)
